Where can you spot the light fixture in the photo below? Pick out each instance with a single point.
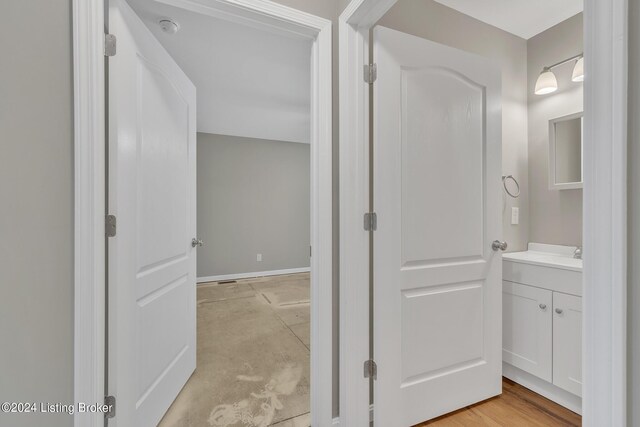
(168, 26)
(547, 82)
(578, 71)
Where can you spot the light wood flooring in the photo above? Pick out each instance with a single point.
(517, 406)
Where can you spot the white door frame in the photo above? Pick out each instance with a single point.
(90, 186)
(604, 393)
(354, 24)
(604, 206)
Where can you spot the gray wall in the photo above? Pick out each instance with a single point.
(253, 197)
(556, 216)
(342, 5)
(433, 21)
(633, 404)
(36, 212)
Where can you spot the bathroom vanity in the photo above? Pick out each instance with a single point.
(542, 322)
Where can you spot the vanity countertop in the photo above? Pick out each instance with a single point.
(548, 256)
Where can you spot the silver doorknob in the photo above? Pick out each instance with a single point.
(559, 310)
(497, 245)
(543, 306)
(196, 242)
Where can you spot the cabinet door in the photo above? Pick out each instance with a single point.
(526, 330)
(567, 342)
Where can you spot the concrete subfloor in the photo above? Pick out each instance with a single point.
(252, 356)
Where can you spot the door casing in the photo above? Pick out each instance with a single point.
(90, 189)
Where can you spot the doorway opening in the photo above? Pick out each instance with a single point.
(283, 108)
(433, 96)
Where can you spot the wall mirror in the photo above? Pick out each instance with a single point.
(565, 152)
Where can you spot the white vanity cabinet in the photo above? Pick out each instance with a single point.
(542, 322)
(527, 336)
(567, 342)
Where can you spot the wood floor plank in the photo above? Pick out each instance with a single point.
(542, 403)
(517, 406)
(509, 410)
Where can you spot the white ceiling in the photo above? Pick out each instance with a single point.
(524, 18)
(249, 82)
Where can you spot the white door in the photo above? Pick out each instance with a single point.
(567, 342)
(152, 170)
(527, 331)
(437, 281)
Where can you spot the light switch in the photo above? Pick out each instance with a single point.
(515, 216)
(259, 257)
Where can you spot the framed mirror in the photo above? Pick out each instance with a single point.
(565, 152)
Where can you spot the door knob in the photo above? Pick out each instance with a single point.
(543, 306)
(196, 242)
(559, 310)
(497, 245)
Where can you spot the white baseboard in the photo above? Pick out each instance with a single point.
(252, 274)
(544, 388)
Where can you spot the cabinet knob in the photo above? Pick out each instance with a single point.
(559, 310)
(543, 306)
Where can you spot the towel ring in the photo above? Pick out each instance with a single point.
(504, 184)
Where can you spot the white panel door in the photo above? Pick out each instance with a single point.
(567, 342)
(152, 170)
(437, 281)
(526, 328)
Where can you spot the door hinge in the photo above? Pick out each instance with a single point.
(110, 403)
(109, 45)
(370, 73)
(110, 226)
(370, 369)
(370, 221)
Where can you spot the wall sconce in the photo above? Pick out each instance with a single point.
(547, 82)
